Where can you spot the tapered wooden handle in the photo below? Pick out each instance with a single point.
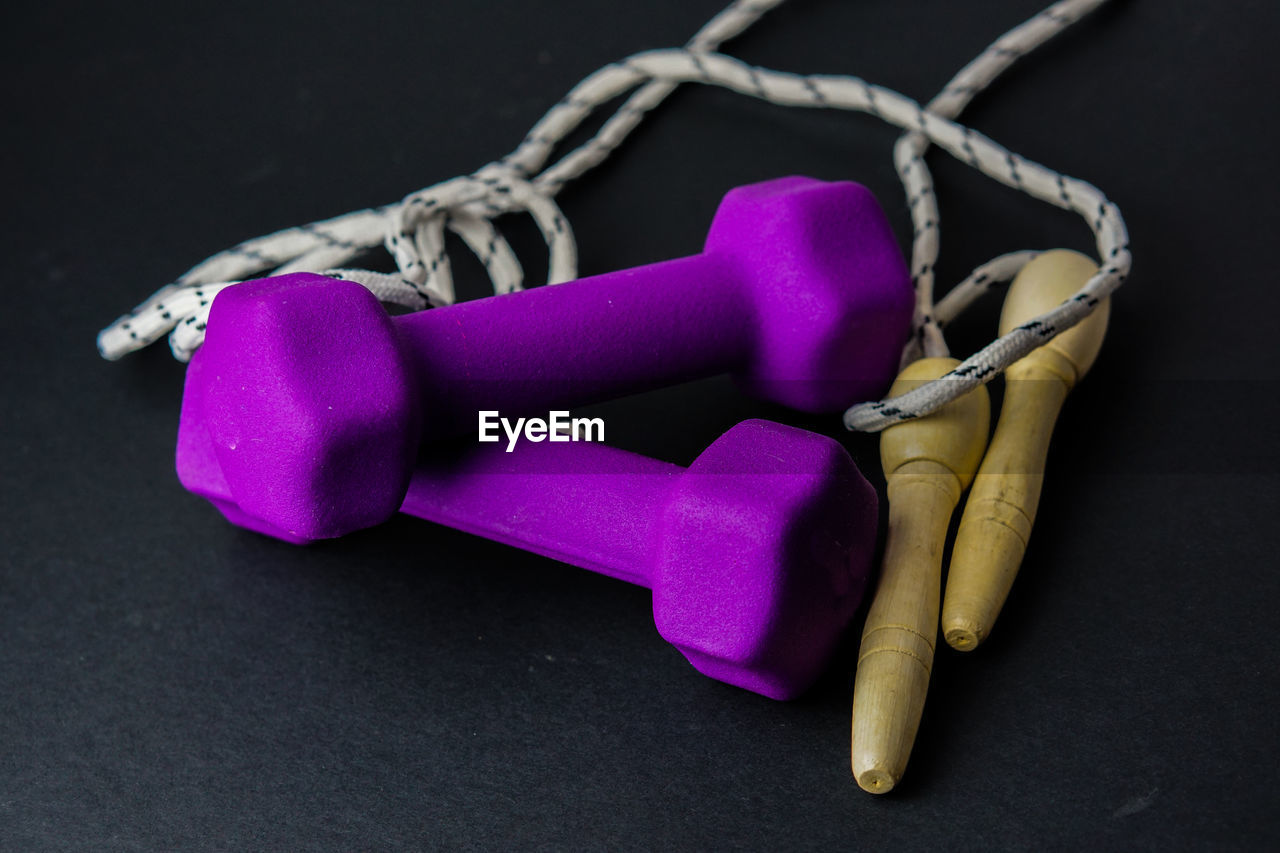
(928, 463)
(1001, 508)
(896, 655)
(999, 511)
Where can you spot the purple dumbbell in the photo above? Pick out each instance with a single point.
(757, 554)
(311, 402)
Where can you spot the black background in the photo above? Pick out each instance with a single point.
(170, 682)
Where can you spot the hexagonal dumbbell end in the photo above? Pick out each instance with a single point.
(765, 546)
(300, 416)
(831, 293)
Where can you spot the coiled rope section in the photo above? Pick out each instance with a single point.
(413, 230)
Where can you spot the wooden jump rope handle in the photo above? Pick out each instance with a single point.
(928, 463)
(1001, 507)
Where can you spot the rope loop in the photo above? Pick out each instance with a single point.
(413, 231)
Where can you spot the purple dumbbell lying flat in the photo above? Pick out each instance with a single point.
(757, 554)
(311, 402)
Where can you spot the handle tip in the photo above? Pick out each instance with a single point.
(989, 548)
(875, 780)
(963, 635)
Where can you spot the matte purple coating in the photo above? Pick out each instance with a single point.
(757, 554)
(315, 401)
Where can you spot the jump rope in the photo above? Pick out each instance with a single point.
(413, 229)
(928, 464)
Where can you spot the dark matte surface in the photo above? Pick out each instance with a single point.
(169, 682)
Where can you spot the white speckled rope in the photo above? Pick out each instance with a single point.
(929, 319)
(908, 156)
(414, 229)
